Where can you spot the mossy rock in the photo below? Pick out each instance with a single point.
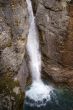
(11, 96)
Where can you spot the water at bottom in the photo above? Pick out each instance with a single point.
(60, 99)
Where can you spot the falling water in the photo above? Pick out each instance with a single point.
(38, 90)
(33, 45)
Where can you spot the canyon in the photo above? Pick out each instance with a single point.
(54, 20)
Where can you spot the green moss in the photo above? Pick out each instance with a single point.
(13, 100)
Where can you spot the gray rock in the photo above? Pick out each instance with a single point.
(13, 36)
(13, 33)
(55, 23)
(10, 59)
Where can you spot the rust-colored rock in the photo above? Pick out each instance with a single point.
(67, 51)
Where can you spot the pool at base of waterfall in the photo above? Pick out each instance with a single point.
(60, 98)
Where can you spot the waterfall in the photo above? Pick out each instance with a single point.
(33, 46)
(38, 90)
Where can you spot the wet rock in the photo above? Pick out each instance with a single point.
(23, 74)
(11, 96)
(54, 20)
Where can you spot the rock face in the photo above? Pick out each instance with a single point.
(54, 19)
(11, 96)
(13, 33)
(13, 36)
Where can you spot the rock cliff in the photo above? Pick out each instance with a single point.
(54, 19)
(13, 35)
(55, 23)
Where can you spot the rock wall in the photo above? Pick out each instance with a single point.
(13, 36)
(54, 21)
(67, 51)
(13, 33)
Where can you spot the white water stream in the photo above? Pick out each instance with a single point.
(38, 90)
(33, 46)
